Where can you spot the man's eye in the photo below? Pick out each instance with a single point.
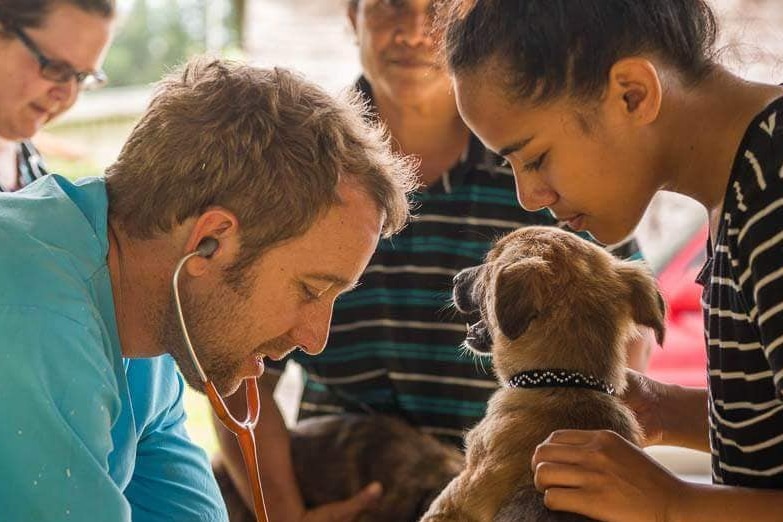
(308, 293)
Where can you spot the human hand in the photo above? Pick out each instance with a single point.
(346, 510)
(602, 476)
(645, 397)
(639, 348)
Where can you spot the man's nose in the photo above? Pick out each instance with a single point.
(65, 92)
(312, 331)
(415, 28)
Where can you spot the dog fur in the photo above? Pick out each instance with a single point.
(546, 299)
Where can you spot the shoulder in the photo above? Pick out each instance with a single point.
(50, 247)
(49, 344)
(757, 174)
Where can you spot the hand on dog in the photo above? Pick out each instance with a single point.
(645, 397)
(601, 475)
(346, 510)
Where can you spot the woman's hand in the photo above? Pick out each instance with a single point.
(601, 475)
(646, 397)
(668, 413)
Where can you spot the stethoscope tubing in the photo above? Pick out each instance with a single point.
(242, 430)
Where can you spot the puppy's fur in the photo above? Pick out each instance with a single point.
(335, 456)
(546, 300)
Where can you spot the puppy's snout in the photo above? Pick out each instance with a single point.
(479, 339)
(463, 295)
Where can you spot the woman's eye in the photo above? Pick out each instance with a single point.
(504, 162)
(536, 164)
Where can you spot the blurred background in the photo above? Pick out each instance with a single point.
(313, 36)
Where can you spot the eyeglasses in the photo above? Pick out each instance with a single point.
(60, 71)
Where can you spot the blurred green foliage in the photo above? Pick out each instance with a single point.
(155, 35)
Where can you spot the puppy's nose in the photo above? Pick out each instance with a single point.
(463, 290)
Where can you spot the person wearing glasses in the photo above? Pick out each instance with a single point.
(50, 51)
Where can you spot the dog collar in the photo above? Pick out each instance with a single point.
(558, 378)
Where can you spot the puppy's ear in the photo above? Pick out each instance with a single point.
(647, 304)
(519, 290)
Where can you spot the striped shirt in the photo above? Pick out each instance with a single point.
(394, 345)
(743, 312)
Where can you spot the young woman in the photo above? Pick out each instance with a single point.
(597, 105)
(50, 50)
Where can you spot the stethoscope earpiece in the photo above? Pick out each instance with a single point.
(207, 247)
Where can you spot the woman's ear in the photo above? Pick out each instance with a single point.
(634, 89)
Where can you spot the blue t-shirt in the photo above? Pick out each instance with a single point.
(84, 433)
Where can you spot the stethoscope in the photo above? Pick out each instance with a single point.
(242, 430)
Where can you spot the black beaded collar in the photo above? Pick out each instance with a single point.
(558, 378)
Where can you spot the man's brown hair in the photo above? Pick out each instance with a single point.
(262, 143)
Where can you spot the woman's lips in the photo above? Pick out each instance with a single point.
(575, 222)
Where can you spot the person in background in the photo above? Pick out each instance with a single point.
(264, 169)
(395, 343)
(597, 105)
(50, 51)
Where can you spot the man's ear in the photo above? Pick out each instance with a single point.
(634, 89)
(647, 305)
(220, 224)
(519, 294)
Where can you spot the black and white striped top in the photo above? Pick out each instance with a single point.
(743, 311)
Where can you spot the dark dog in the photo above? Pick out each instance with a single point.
(556, 313)
(335, 456)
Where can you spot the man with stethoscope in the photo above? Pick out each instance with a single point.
(244, 202)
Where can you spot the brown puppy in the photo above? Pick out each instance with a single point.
(335, 456)
(556, 312)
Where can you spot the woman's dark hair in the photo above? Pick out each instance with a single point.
(557, 47)
(32, 13)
